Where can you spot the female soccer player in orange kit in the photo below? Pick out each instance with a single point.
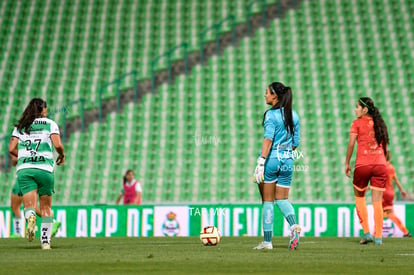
(388, 197)
(371, 134)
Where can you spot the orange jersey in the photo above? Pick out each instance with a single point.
(368, 150)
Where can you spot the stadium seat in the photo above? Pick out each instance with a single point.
(197, 139)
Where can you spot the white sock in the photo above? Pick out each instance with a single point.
(16, 226)
(29, 212)
(46, 230)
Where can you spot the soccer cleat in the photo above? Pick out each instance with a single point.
(378, 241)
(55, 227)
(366, 239)
(31, 228)
(294, 237)
(15, 236)
(264, 245)
(46, 246)
(408, 235)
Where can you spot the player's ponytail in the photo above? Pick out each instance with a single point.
(380, 128)
(33, 110)
(284, 95)
(388, 155)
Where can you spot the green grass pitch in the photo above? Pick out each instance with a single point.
(234, 255)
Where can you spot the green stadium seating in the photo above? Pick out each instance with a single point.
(63, 51)
(196, 140)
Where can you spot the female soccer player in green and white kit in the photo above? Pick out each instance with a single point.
(31, 143)
(275, 165)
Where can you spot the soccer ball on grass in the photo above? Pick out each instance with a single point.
(210, 235)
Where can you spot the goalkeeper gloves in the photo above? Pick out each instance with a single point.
(259, 171)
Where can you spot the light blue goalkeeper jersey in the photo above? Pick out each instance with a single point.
(274, 129)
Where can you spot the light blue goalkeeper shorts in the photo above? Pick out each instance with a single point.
(279, 171)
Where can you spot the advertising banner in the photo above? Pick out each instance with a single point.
(319, 220)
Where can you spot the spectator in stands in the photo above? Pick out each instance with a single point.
(371, 133)
(131, 190)
(275, 165)
(388, 197)
(31, 145)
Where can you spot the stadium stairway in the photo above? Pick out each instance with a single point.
(200, 146)
(324, 50)
(274, 9)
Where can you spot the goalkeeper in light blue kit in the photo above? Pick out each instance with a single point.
(274, 167)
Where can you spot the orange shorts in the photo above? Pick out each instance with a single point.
(388, 200)
(376, 175)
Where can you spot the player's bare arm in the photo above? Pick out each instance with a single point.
(267, 144)
(13, 147)
(398, 183)
(57, 143)
(349, 151)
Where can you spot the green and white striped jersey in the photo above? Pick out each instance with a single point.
(35, 150)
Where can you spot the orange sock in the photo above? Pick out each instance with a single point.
(397, 222)
(378, 218)
(362, 211)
